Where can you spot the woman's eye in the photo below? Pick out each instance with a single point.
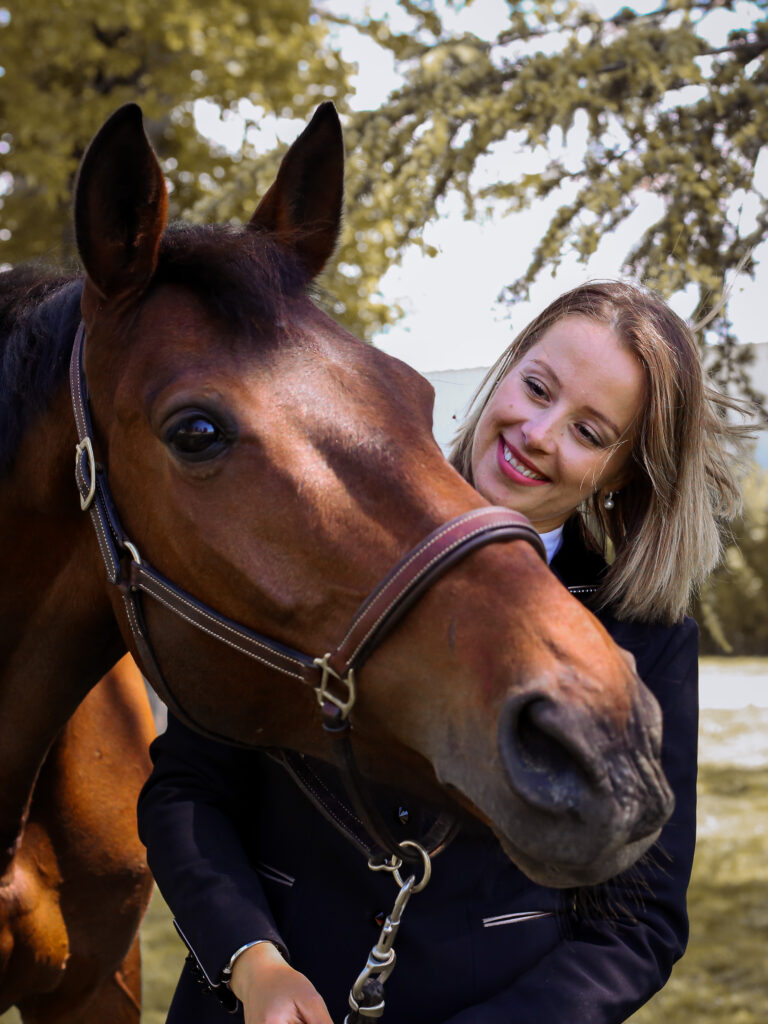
(589, 437)
(535, 388)
(195, 437)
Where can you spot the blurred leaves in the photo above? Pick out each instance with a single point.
(733, 608)
(68, 65)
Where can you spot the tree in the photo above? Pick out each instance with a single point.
(660, 108)
(68, 65)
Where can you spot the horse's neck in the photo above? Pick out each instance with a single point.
(58, 635)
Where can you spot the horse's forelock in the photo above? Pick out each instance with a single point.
(240, 275)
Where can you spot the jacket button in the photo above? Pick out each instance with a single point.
(403, 815)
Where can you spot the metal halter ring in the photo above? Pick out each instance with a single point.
(395, 863)
(425, 860)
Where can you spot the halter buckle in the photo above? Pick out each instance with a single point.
(86, 447)
(324, 695)
(133, 551)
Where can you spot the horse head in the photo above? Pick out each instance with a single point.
(275, 467)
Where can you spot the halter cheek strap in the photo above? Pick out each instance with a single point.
(333, 676)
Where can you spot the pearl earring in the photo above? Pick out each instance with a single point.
(608, 501)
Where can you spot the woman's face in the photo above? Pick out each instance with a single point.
(560, 425)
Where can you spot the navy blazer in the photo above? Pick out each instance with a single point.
(240, 853)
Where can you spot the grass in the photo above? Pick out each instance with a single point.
(162, 954)
(723, 977)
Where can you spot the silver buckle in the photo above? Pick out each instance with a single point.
(86, 446)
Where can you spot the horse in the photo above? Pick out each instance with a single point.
(274, 468)
(78, 885)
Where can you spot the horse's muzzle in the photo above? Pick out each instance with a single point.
(600, 793)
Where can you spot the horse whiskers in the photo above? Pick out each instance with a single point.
(618, 900)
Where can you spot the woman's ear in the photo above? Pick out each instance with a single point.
(606, 494)
(623, 476)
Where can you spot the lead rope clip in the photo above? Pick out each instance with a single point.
(366, 998)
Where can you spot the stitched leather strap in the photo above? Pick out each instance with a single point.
(270, 653)
(355, 826)
(376, 616)
(419, 569)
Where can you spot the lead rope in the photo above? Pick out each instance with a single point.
(366, 997)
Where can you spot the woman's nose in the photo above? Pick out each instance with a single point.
(539, 433)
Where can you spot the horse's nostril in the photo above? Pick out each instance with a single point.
(543, 758)
(539, 749)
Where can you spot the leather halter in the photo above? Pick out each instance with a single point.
(332, 676)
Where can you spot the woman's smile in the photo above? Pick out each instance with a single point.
(512, 463)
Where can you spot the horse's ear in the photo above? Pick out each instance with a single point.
(120, 206)
(304, 204)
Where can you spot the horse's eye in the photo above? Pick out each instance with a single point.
(195, 437)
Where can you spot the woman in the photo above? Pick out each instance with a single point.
(596, 424)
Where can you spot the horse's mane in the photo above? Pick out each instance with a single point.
(39, 313)
(240, 275)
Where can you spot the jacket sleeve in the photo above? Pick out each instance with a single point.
(188, 813)
(606, 969)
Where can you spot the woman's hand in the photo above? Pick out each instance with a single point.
(272, 992)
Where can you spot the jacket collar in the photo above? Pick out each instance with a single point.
(576, 565)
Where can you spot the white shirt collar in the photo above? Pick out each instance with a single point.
(552, 541)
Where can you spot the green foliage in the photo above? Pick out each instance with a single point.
(733, 608)
(653, 105)
(68, 65)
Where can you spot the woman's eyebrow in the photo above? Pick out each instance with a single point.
(603, 418)
(587, 408)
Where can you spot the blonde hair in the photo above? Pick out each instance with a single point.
(665, 524)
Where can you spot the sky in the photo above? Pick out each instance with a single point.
(453, 319)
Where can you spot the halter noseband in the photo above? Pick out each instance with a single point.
(332, 676)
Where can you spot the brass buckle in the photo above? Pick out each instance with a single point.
(86, 446)
(324, 694)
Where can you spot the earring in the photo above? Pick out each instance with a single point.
(608, 501)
